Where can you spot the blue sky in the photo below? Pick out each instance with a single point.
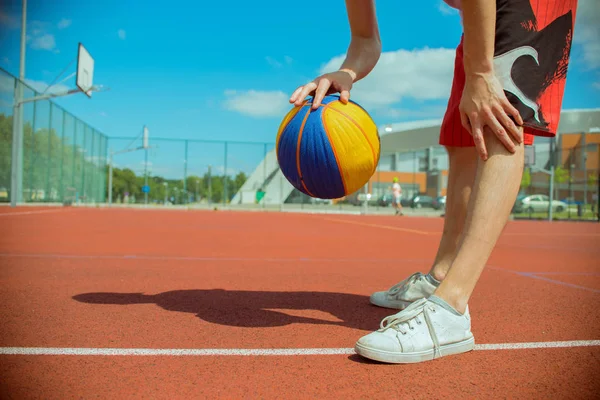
(223, 71)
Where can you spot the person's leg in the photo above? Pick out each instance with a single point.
(461, 175)
(440, 324)
(496, 187)
(398, 200)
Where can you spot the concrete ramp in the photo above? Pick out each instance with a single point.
(268, 177)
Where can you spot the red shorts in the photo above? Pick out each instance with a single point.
(531, 56)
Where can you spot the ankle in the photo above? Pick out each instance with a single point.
(454, 298)
(438, 273)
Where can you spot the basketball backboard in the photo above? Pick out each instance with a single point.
(85, 71)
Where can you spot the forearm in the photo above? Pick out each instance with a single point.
(479, 20)
(362, 56)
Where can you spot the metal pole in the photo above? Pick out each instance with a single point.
(62, 157)
(365, 203)
(225, 191)
(14, 176)
(572, 167)
(110, 178)
(598, 195)
(16, 185)
(209, 187)
(48, 166)
(83, 153)
(281, 191)
(146, 176)
(23, 41)
(551, 193)
(264, 174)
(185, 172)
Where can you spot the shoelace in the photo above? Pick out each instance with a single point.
(409, 317)
(413, 278)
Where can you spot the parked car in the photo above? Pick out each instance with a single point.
(540, 203)
(384, 200)
(439, 203)
(518, 206)
(421, 200)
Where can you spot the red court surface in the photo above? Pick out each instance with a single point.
(126, 303)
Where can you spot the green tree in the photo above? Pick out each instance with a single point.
(561, 175)
(592, 179)
(526, 179)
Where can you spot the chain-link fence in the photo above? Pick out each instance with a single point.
(563, 182)
(63, 158)
(200, 173)
(246, 175)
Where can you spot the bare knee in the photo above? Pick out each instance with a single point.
(496, 147)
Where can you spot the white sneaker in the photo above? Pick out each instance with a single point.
(401, 295)
(424, 331)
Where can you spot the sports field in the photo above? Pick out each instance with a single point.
(122, 303)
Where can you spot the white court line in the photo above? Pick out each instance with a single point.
(81, 351)
(30, 212)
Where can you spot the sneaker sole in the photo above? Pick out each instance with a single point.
(400, 305)
(415, 357)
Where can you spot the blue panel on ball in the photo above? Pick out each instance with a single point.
(318, 165)
(327, 99)
(288, 143)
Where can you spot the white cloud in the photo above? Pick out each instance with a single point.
(39, 36)
(421, 74)
(64, 23)
(587, 32)
(122, 34)
(257, 103)
(45, 41)
(596, 85)
(430, 111)
(278, 64)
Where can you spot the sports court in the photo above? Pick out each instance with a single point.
(121, 303)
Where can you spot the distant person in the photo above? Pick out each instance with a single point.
(510, 70)
(397, 196)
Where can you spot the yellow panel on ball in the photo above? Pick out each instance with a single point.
(354, 136)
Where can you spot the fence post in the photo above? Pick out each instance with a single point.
(91, 168)
(83, 151)
(551, 193)
(185, 166)
(62, 158)
(225, 191)
(264, 174)
(48, 168)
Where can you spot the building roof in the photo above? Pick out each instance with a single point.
(416, 135)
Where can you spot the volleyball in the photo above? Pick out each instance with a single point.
(330, 152)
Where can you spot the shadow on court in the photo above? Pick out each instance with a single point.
(257, 309)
